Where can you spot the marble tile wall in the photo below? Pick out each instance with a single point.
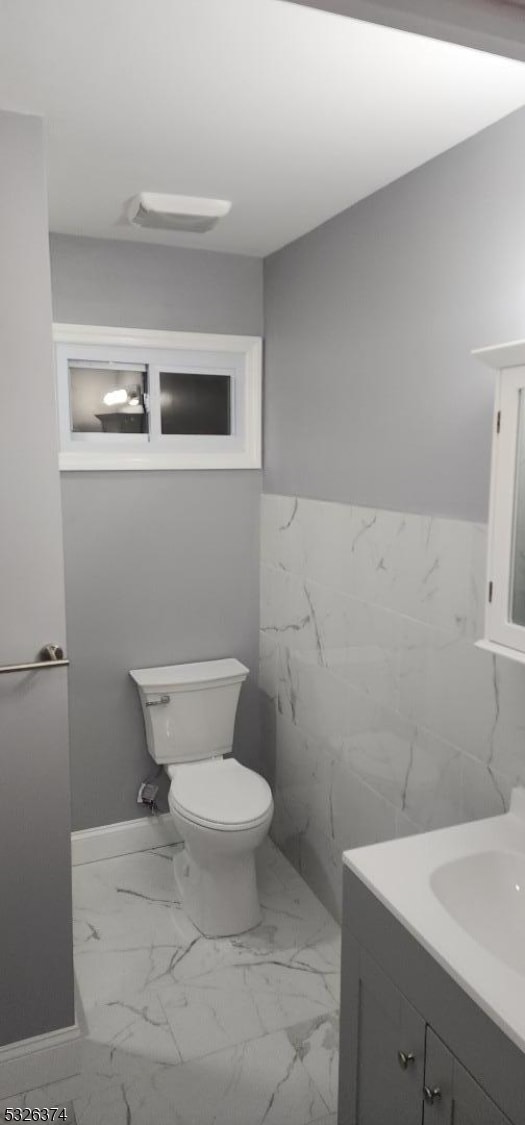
(380, 716)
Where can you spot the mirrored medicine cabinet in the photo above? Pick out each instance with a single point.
(505, 590)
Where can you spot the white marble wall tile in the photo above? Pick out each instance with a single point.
(415, 565)
(337, 722)
(319, 861)
(405, 826)
(312, 539)
(286, 612)
(433, 785)
(477, 581)
(356, 640)
(288, 826)
(508, 732)
(400, 723)
(268, 664)
(361, 815)
(312, 698)
(484, 791)
(304, 777)
(281, 533)
(447, 685)
(380, 751)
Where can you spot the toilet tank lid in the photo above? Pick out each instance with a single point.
(178, 676)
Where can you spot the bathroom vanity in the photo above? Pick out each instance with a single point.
(433, 977)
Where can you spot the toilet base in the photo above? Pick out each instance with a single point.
(219, 895)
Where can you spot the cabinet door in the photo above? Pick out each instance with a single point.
(451, 1096)
(384, 1055)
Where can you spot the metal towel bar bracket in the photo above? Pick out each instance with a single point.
(50, 656)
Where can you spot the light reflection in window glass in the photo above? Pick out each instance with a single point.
(108, 400)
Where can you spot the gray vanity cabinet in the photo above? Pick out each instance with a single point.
(387, 1052)
(415, 1048)
(451, 1096)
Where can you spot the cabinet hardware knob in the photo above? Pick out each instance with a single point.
(431, 1096)
(404, 1058)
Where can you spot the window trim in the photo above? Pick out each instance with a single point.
(502, 636)
(144, 457)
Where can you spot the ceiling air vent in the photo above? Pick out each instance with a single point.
(176, 212)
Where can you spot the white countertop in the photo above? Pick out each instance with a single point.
(399, 874)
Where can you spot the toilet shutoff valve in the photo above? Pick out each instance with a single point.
(147, 795)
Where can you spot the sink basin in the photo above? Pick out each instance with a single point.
(460, 892)
(485, 894)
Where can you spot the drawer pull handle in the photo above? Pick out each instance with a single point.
(431, 1096)
(404, 1058)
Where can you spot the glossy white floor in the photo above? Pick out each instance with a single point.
(188, 1031)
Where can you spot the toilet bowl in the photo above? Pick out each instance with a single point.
(223, 812)
(221, 809)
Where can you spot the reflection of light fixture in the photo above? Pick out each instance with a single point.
(116, 398)
(123, 397)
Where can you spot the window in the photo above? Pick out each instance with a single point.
(505, 597)
(194, 406)
(131, 399)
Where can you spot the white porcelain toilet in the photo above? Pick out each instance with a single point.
(221, 809)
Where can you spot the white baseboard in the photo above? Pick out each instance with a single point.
(45, 1059)
(119, 839)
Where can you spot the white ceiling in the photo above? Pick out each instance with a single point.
(291, 113)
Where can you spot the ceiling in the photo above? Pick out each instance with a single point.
(293, 114)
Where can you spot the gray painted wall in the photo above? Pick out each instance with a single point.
(160, 567)
(372, 396)
(36, 977)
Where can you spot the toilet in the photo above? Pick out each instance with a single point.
(221, 809)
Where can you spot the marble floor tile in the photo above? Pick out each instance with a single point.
(192, 1031)
(113, 886)
(317, 1045)
(260, 1081)
(124, 921)
(212, 1012)
(135, 1023)
(58, 1094)
(231, 1005)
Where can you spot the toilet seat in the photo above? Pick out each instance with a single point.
(220, 794)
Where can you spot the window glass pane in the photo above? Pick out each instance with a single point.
(107, 400)
(194, 404)
(518, 562)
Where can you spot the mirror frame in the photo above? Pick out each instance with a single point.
(502, 635)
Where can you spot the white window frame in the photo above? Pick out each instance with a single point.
(237, 356)
(503, 636)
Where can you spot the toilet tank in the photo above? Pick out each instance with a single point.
(189, 709)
